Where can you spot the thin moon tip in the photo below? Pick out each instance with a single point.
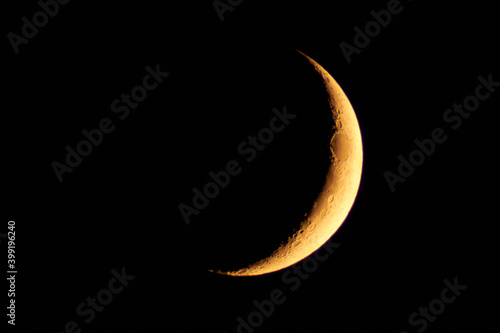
(237, 273)
(219, 272)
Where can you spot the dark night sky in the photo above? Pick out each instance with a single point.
(119, 207)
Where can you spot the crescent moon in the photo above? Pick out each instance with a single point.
(333, 204)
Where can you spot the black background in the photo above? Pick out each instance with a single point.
(119, 207)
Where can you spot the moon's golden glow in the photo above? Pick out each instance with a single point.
(337, 196)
